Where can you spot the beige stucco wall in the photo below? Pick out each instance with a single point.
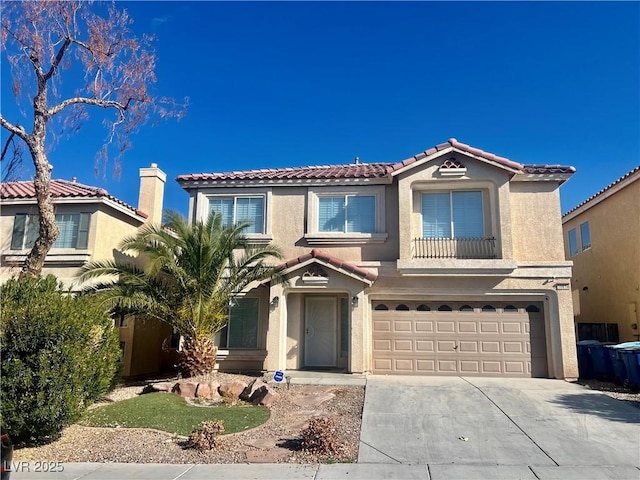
(491, 180)
(107, 228)
(285, 337)
(522, 285)
(288, 222)
(536, 221)
(606, 277)
(523, 216)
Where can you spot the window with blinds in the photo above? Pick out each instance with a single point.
(454, 214)
(74, 231)
(347, 214)
(243, 324)
(240, 209)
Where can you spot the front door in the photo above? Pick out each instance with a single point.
(320, 332)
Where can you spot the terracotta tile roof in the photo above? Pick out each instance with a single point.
(365, 170)
(332, 260)
(354, 170)
(535, 169)
(452, 142)
(60, 189)
(605, 189)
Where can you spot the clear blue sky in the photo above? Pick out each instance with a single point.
(293, 84)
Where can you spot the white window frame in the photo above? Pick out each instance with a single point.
(235, 199)
(202, 208)
(585, 246)
(452, 224)
(32, 221)
(573, 250)
(314, 236)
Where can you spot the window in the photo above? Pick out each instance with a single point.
(242, 329)
(402, 308)
(573, 243)
(457, 214)
(347, 214)
(240, 209)
(445, 308)
(585, 235)
(381, 306)
(341, 215)
(466, 308)
(74, 231)
(423, 308)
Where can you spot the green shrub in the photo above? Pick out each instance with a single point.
(59, 354)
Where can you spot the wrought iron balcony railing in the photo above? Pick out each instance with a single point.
(461, 248)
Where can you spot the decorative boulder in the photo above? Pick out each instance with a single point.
(185, 389)
(248, 392)
(232, 389)
(207, 391)
(264, 396)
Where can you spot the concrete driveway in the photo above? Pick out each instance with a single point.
(531, 425)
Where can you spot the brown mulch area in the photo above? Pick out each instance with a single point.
(277, 440)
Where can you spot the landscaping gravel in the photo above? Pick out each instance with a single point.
(615, 391)
(277, 440)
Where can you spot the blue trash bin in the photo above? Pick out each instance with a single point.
(602, 364)
(585, 364)
(619, 368)
(631, 359)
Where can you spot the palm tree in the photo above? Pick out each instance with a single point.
(190, 274)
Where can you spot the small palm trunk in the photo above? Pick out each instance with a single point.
(198, 356)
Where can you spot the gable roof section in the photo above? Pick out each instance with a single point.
(450, 145)
(61, 189)
(365, 171)
(627, 179)
(324, 258)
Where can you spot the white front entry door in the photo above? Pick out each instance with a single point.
(320, 332)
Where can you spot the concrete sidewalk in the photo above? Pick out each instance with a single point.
(369, 471)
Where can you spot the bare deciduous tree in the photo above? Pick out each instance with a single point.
(67, 56)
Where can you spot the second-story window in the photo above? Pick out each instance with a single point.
(235, 209)
(573, 242)
(585, 235)
(454, 214)
(347, 213)
(74, 231)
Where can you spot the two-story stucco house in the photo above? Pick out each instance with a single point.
(92, 224)
(602, 238)
(448, 263)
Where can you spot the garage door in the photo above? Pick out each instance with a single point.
(439, 338)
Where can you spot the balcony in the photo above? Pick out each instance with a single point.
(459, 248)
(442, 257)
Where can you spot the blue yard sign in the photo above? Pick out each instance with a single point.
(278, 376)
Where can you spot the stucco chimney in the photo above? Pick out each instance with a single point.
(152, 181)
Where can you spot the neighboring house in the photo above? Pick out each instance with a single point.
(602, 238)
(92, 225)
(450, 262)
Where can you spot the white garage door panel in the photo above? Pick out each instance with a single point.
(459, 343)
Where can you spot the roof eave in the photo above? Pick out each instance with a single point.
(140, 216)
(560, 177)
(602, 195)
